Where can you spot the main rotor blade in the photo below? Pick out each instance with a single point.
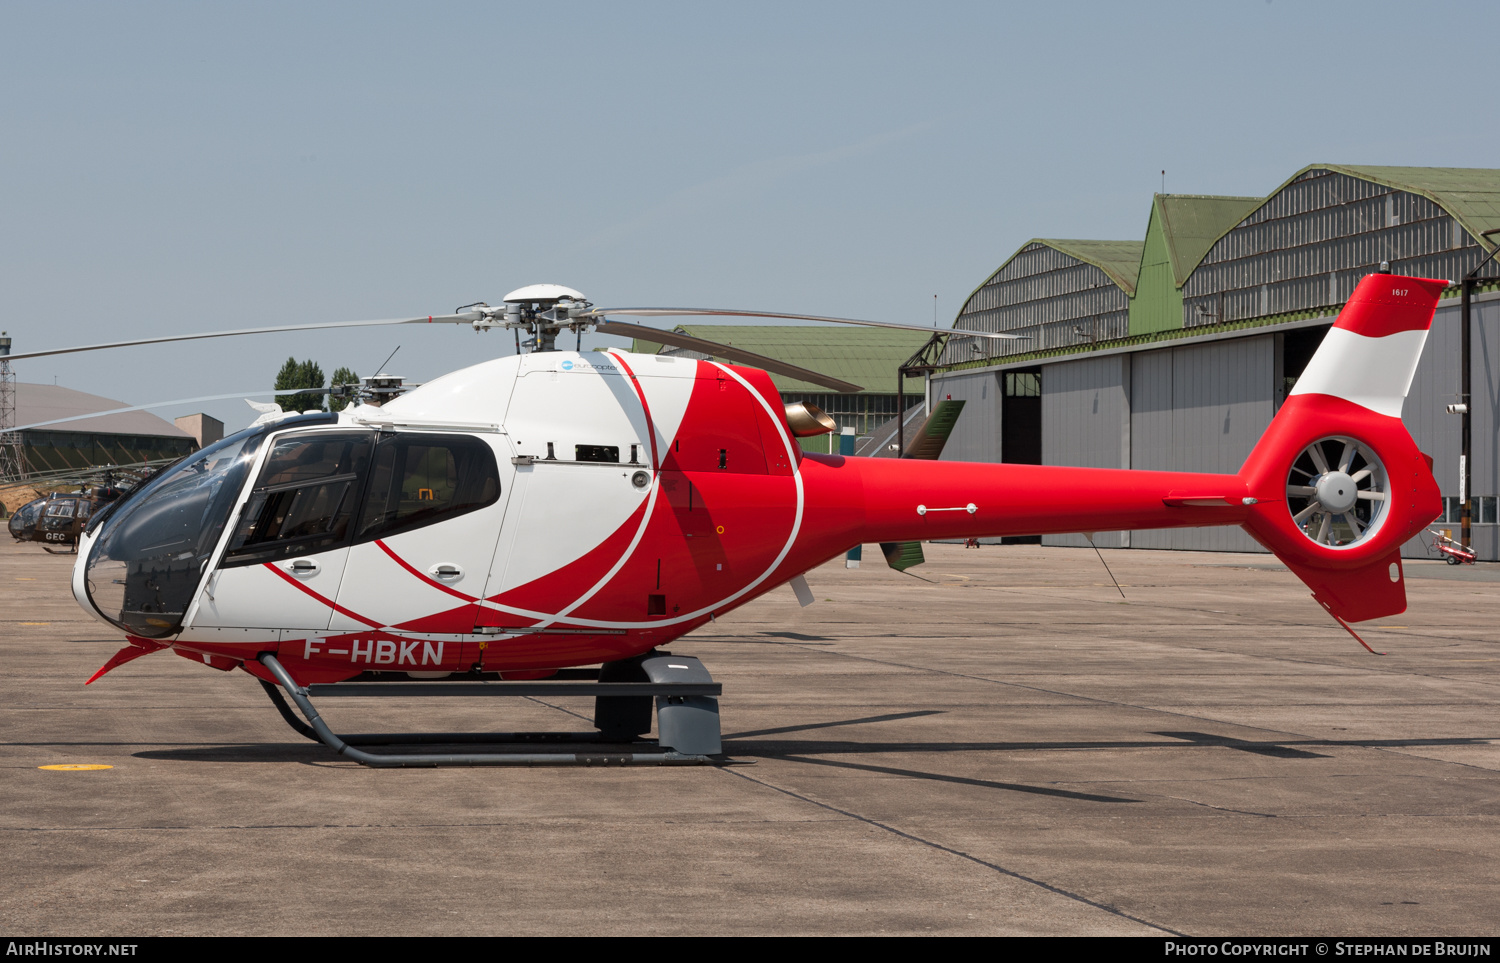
(69, 476)
(730, 313)
(430, 319)
(676, 339)
(178, 401)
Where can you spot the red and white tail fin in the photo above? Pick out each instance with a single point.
(1338, 481)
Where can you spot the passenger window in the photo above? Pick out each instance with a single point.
(305, 498)
(420, 479)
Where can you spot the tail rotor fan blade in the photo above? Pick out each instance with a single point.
(1340, 502)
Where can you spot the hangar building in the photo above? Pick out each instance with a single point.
(126, 438)
(1174, 352)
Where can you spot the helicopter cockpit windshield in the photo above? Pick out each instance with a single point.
(26, 517)
(151, 549)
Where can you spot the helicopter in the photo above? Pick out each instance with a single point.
(513, 521)
(56, 519)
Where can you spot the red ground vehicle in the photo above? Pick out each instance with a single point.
(1452, 550)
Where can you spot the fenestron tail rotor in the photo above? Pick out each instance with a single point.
(1336, 491)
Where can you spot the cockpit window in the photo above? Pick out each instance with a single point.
(420, 479)
(317, 490)
(305, 497)
(27, 516)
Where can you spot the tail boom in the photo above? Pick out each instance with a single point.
(913, 500)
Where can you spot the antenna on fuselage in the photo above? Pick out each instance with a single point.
(381, 366)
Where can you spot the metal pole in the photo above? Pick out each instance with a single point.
(900, 411)
(1464, 461)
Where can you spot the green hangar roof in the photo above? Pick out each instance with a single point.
(1120, 260)
(1181, 231)
(1191, 223)
(867, 357)
(1470, 194)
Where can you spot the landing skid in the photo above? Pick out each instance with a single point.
(687, 717)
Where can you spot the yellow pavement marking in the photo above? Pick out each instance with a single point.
(25, 580)
(36, 623)
(76, 766)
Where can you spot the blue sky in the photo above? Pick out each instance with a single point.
(185, 167)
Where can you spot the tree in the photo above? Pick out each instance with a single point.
(343, 376)
(300, 374)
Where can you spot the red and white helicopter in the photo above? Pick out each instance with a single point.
(558, 509)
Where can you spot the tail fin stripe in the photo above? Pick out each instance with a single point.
(1374, 373)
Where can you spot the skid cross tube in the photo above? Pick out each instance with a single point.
(316, 728)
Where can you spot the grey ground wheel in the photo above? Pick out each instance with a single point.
(1336, 492)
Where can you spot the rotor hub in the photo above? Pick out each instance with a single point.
(1337, 491)
(544, 293)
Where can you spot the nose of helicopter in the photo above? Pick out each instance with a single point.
(140, 563)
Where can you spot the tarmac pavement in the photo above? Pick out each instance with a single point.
(1005, 747)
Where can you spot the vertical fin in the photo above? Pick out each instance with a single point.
(927, 441)
(1349, 400)
(902, 555)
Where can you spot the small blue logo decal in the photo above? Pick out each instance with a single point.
(567, 366)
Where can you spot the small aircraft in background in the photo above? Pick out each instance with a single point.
(55, 520)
